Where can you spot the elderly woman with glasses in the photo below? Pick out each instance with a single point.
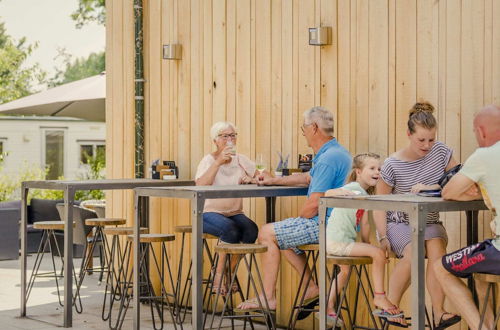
(224, 218)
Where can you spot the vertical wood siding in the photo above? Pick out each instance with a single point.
(249, 61)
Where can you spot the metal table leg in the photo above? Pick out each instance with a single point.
(322, 266)
(24, 240)
(69, 195)
(270, 209)
(418, 218)
(197, 203)
(139, 204)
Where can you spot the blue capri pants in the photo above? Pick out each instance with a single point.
(234, 229)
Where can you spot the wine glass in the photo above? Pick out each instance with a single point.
(260, 164)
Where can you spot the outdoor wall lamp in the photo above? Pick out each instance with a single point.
(172, 52)
(320, 36)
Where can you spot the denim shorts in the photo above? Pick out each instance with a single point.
(293, 232)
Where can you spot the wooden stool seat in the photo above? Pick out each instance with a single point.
(123, 230)
(308, 247)
(241, 248)
(150, 238)
(490, 278)
(46, 225)
(105, 222)
(349, 260)
(189, 229)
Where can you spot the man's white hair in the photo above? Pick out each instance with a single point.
(321, 117)
(219, 127)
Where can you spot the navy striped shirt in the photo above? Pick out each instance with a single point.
(402, 175)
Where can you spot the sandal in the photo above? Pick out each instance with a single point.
(397, 324)
(332, 319)
(392, 312)
(307, 307)
(443, 324)
(217, 286)
(253, 306)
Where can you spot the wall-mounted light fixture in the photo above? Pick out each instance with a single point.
(172, 52)
(320, 36)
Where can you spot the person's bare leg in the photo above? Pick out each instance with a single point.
(481, 288)
(270, 263)
(218, 284)
(298, 262)
(460, 296)
(399, 280)
(436, 249)
(340, 281)
(378, 273)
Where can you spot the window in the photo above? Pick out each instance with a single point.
(89, 150)
(54, 153)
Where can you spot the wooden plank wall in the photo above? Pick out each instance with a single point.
(248, 61)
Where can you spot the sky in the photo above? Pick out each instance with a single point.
(48, 22)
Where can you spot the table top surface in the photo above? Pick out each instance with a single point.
(432, 203)
(224, 191)
(104, 184)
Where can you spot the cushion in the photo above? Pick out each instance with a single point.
(43, 210)
(10, 205)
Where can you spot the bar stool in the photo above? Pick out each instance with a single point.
(155, 301)
(183, 295)
(357, 265)
(263, 311)
(302, 307)
(99, 224)
(49, 240)
(116, 276)
(491, 280)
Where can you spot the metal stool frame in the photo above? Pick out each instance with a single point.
(47, 236)
(264, 311)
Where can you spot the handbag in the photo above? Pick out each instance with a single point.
(446, 177)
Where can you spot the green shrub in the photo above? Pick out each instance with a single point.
(10, 185)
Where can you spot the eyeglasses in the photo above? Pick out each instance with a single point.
(303, 127)
(227, 136)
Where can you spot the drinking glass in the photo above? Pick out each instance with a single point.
(260, 164)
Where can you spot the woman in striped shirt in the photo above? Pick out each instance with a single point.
(416, 167)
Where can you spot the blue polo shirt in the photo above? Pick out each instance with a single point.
(331, 165)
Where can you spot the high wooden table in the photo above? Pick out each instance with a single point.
(417, 208)
(198, 195)
(69, 188)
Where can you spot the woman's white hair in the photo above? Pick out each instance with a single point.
(219, 127)
(320, 116)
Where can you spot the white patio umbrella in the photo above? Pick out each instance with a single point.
(83, 99)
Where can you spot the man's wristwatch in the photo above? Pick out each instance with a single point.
(382, 238)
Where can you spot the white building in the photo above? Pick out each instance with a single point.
(57, 142)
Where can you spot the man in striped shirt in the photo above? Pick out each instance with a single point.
(479, 171)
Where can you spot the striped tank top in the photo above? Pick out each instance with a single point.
(402, 175)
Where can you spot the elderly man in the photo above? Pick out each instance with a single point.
(480, 169)
(331, 165)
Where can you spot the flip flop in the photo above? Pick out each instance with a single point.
(384, 313)
(397, 324)
(443, 324)
(331, 320)
(253, 301)
(308, 306)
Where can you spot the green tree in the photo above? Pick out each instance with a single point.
(78, 68)
(16, 79)
(89, 11)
